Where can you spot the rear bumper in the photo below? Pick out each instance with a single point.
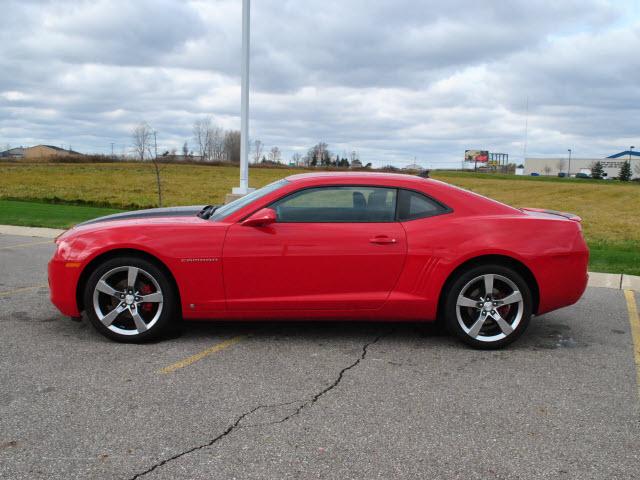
(63, 279)
(562, 281)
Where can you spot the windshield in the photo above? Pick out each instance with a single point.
(226, 210)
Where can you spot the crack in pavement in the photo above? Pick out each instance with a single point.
(315, 398)
(226, 432)
(301, 407)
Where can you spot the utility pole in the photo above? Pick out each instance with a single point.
(243, 189)
(569, 170)
(111, 149)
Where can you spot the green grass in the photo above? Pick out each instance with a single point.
(615, 258)
(32, 214)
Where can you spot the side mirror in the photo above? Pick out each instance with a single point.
(261, 218)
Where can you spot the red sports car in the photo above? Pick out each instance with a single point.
(358, 246)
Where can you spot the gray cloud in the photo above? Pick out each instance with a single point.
(393, 80)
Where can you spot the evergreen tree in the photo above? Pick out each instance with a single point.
(597, 171)
(625, 172)
(343, 163)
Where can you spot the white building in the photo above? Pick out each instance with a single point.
(552, 166)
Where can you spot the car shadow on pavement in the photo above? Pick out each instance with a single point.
(542, 333)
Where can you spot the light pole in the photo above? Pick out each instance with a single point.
(243, 189)
(569, 170)
(630, 153)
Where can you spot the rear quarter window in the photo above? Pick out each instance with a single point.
(413, 205)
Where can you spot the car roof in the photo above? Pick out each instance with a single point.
(358, 177)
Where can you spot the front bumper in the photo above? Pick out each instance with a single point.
(63, 282)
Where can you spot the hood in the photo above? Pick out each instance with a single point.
(190, 211)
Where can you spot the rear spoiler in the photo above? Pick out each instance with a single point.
(569, 216)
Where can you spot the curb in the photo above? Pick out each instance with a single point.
(30, 231)
(617, 281)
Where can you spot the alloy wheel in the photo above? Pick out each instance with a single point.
(489, 308)
(127, 300)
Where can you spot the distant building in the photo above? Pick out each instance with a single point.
(554, 165)
(625, 155)
(38, 152)
(356, 163)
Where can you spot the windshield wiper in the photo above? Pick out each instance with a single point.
(207, 211)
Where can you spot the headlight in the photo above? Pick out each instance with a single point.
(64, 248)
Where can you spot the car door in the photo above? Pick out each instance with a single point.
(331, 248)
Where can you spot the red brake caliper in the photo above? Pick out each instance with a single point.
(504, 309)
(146, 290)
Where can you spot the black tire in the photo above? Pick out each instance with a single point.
(162, 316)
(489, 337)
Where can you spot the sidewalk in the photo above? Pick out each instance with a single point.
(30, 231)
(617, 281)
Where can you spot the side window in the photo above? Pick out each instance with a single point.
(338, 204)
(412, 205)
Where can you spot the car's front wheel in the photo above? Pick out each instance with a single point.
(488, 306)
(130, 299)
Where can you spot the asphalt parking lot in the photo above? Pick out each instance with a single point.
(311, 400)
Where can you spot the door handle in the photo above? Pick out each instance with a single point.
(383, 240)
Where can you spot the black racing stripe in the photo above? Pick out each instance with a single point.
(150, 213)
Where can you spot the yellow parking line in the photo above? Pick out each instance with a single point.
(204, 353)
(19, 245)
(23, 289)
(634, 321)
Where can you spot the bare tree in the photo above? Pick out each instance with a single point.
(274, 155)
(258, 147)
(142, 140)
(142, 143)
(232, 146)
(323, 153)
(546, 169)
(318, 155)
(562, 163)
(210, 140)
(185, 150)
(201, 134)
(296, 158)
(215, 147)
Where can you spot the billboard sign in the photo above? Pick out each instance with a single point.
(476, 156)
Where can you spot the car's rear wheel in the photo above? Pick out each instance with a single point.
(488, 306)
(129, 299)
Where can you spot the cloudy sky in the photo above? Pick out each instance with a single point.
(393, 79)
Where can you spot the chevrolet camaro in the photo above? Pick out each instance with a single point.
(356, 246)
